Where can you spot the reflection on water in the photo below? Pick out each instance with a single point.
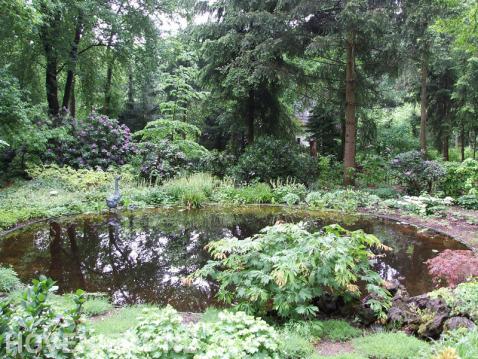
(140, 257)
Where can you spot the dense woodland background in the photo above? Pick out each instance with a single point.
(364, 80)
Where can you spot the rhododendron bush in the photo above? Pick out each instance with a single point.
(452, 267)
(97, 141)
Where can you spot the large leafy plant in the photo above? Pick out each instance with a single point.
(286, 268)
(33, 329)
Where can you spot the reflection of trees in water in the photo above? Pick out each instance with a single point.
(141, 256)
(65, 264)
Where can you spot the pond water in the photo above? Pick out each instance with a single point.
(141, 256)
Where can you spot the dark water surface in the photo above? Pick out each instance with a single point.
(141, 256)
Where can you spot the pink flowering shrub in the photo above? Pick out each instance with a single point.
(96, 141)
(452, 267)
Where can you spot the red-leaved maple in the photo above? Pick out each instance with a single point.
(452, 267)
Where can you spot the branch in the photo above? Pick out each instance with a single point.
(60, 69)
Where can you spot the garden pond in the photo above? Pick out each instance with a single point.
(142, 256)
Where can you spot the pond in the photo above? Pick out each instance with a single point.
(142, 256)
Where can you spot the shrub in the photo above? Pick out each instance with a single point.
(96, 141)
(70, 179)
(34, 324)
(168, 147)
(415, 173)
(161, 334)
(373, 170)
(269, 158)
(460, 178)
(453, 267)
(285, 268)
(384, 192)
(389, 346)
(469, 201)
(8, 280)
(330, 173)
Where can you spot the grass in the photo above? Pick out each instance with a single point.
(118, 322)
(8, 280)
(338, 330)
(389, 346)
(342, 356)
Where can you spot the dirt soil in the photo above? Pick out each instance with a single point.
(456, 222)
(328, 348)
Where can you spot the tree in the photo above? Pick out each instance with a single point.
(420, 16)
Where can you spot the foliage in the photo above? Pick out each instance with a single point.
(193, 190)
(424, 205)
(256, 193)
(373, 170)
(389, 346)
(343, 200)
(330, 173)
(168, 147)
(161, 333)
(460, 178)
(452, 267)
(463, 300)
(460, 344)
(469, 201)
(281, 189)
(297, 338)
(268, 159)
(95, 303)
(8, 280)
(291, 199)
(284, 268)
(33, 329)
(338, 330)
(415, 173)
(95, 142)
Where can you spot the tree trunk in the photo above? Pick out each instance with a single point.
(250, 117)
(51, 83)
(72, 107)
(446, 147)
(47, 36)
(445, 132)
(72, 65)
(424, 106)
(350, 108)
(474, 144)
(462, 142)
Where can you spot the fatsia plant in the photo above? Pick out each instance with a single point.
(286, 268)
